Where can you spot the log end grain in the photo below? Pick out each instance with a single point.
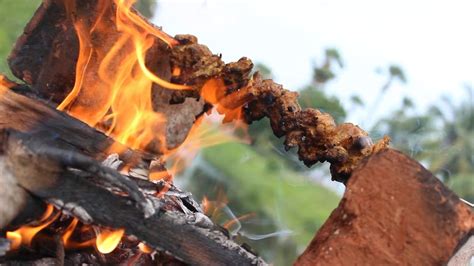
(394, 211)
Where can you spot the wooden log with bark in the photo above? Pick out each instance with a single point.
(51, 156)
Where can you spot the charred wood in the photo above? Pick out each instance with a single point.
(23, 114)
(177, 224)
(55, 158)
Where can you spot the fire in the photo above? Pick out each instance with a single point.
(108, 240)
(113, 93)
(69, 243)
(105, 241)
(213, 92)
(5, 82)
(25, 234)
(113, 85)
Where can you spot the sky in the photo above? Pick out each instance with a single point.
(432, 41)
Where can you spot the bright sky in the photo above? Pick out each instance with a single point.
(433, 41)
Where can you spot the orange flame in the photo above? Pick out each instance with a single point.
(68, 243)
(112, 92)
(231, 222)
(108, 240)
(113, 85)
(25, 234)
(5, 82)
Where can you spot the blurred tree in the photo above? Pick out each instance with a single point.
(408, 131)
(455, 139)
(146, 7)
(311, 97)
(394, 73)
(264, 70)
(442, 138)
(325, 72)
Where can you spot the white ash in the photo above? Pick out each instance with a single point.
(139, 173)
(72, 209)
(199, 219)
(112, 161)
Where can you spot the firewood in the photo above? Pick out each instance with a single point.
(55, 158)
(394, 212)
(23, 114)
(178, 225)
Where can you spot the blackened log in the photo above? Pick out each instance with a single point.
(22, 114)
(175, 227)
(394, 212)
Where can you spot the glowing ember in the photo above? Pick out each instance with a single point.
(144, 248)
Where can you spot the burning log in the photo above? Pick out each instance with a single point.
(48, 57)
(48, 154)
(25, 115)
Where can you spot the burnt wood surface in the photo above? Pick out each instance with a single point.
(45, 57)
(56, 158)
(23, 114)
(394, 212)
(177, 225)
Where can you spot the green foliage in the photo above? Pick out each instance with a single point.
(397, 72)
(443, 138)
(325, 72)
(264, 70)
(455, 139)
(310, 97)
(332, 54)
(356, 100)
(282, 199)
(14, 14)
(146, 7)
(463, 184)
